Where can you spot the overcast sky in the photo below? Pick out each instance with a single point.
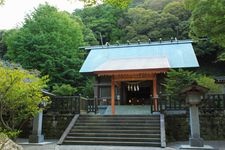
(12, 13)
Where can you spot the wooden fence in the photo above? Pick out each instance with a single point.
(71, 105)
(210, 102)
(64, 105)
(88, 104)
(76, 104)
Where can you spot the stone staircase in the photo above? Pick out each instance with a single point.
(118, 130)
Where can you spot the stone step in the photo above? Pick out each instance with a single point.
(118, 121)
(120, 117)
(118, 127)
(118, 124)
(118, 134)
(116, 143)
(154, 131)
(135, 130)
(104, 138)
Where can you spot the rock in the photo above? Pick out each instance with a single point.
(7, 144)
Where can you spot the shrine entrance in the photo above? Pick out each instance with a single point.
(138, 86)
(137, 93)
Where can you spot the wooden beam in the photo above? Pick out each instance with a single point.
(131, 72)
(113, 95)
(102, 84)
(133, 77)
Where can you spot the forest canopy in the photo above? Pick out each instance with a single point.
(49, 39)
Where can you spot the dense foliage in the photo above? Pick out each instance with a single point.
(138, 22)
(20, 95)
(120, 4)
(64, 89)
(3, 47)
(49, 39)
(48, 42)
(178, 79)
(207, 21)
(102, 19)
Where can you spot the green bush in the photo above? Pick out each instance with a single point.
(3, 136)
(20, 95)
(88, 88)
(7, 133)
(64, 90)
(209, 82)
(178, 79)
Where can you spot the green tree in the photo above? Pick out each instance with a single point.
(144, 24)
(169, 19)
(178, 79)
(207, 20)
(117, 3)
(209, 82)
(156, 5)
(104, 20)
(48, 42)
(135, 3)
(205, 47)
(89, 37)
(20, 95)
(3, 47)
(64, 89)
(177, 8)
(157, 19)
(88, 88)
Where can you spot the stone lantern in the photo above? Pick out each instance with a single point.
(37, 136)
(193, 94)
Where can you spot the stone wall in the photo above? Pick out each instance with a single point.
(212, 127)
(177, 126)
(55, 125)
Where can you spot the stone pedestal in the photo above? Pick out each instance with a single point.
(37, 136)
(188, 147)
(196, 142)
(195, 139)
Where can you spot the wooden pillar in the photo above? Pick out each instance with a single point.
(96, 87)
(113, 95)
(123, 96)
(155, 95)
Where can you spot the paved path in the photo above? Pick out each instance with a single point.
(220, 145)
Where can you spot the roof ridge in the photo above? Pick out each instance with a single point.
(136, 45)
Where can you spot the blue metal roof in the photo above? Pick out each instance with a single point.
(134, 64)
(179, 54)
